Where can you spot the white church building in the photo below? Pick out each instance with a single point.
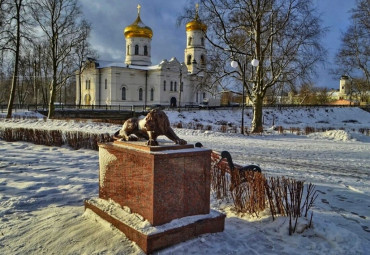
(137, 82)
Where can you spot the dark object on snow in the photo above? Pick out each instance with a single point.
(198, 144)
(226, 154)
(239, 177)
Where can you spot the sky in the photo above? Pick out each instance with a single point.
(109, 19)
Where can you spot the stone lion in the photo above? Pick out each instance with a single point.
(156, 123)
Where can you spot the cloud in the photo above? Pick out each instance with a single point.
(109, 18)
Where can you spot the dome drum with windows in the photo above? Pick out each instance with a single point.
(138, 28)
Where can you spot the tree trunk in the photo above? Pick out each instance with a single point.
(257, 126)
(52, 99)
(79, 89)
(12, 92)
(16, 61)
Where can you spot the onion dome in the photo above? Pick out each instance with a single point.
(196, 24)
(138, 28)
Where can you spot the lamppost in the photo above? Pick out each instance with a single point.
(234, 64)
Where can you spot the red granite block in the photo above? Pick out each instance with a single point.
(160, 185)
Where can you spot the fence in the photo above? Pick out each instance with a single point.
(138, 108)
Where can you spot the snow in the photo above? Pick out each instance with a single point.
(137, 222)
(42, 188)
(105, 158)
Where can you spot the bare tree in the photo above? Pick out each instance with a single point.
(283, 35)
(60, 21)
(353, 56)
(14, 29)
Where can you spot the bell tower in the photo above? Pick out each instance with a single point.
(344, 85)
(138, 42)
(195, 51)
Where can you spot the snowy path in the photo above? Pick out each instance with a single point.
(42, 191)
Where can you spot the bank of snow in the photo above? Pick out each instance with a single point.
(42, 190)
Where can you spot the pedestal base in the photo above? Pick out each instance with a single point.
(150, 238)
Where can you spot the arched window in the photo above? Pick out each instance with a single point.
(151, 94)
(171, 86)
(105, 84)
(175, 86)
(202, 60)
(87, 99)
(88, 84)
(188, 62)
(123, 93)
(136, 49)
(204, 95)
(202, 41)
(182, 87)
(128, 49)
(190, 41)
(140, 94)
(164, 85)
(145, 50)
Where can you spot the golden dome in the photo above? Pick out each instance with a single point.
(196, 24)
(138, 28)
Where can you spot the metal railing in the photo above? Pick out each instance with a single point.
(140, 108)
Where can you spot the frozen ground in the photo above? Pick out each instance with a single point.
(42, 190)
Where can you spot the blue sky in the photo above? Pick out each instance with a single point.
(110, 17)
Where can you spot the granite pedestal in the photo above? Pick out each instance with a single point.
(160, 183)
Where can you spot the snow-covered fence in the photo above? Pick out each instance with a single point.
(74, 139)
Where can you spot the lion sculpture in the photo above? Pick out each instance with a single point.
(156, 123)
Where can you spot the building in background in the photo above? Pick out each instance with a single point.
(137, 82)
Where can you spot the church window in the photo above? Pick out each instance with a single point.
(128, 49)
(190, 41)
(140, 94)
(182, 87)
(87, 84)
(171, 86)
(106, 84)
(136, 49)
(146, 50)
(202, 41)
(204, 95)
(164, 85)
(188, 60)
(123, 93)
(202, 60)
(151, 94)
(175, 86)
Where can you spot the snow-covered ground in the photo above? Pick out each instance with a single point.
(42, 188)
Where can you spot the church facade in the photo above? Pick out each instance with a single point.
(137, 82)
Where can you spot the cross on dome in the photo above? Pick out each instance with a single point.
(138, 9)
